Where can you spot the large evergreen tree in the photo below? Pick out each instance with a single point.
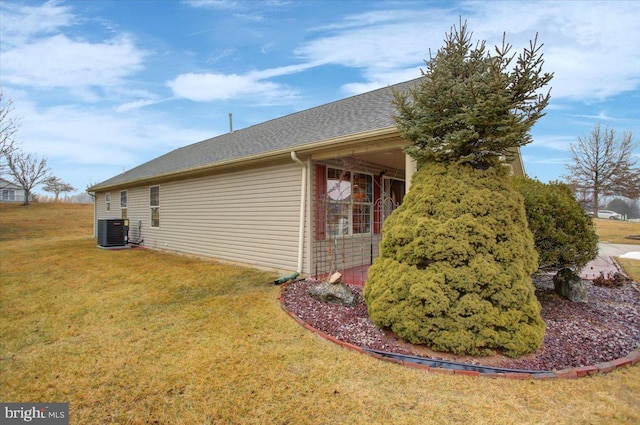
(456, 258)
(470, 107)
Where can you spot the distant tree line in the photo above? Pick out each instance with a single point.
(627, 207)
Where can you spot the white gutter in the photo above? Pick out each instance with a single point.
(343, 141)
(303, 198)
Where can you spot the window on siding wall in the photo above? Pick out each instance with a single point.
(123, 203)
(154, 204)
(349, 202)
(8, 194)
(107, 200)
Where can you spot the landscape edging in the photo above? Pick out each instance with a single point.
(630, 359)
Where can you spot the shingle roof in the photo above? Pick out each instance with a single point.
(357, 114)
(6, 184)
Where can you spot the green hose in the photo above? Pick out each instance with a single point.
(286, 278)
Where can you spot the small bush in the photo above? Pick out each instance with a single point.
(617, 280)
(564, 235)
(455, 265)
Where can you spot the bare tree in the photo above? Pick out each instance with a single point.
(627, 183)
(28, 171)
(8, 127)
(56, 186)
(583, 196)
(603, 164)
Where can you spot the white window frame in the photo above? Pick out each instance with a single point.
(349, 204)
(124, 201)
(107, 200)
(153, 207)
(8, 194)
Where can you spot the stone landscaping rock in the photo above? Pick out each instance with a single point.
(335, 278)
(338, 293)
(569, 285)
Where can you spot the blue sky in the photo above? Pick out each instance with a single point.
(103, 86)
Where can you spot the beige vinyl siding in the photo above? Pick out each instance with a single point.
(248, 216)
(101, 205)
(138, 211)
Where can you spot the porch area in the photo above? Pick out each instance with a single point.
(353, 196)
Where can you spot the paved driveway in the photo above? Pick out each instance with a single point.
(605, 263)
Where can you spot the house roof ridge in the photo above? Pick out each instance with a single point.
(359, 113)
(344, 99)
(303, 111)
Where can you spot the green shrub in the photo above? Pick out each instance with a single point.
(455, 265)
(564, 235)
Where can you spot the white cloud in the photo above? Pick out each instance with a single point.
(235, 4)
(382, 44)
(592, 48)
(558, 143)
(36, 54)
(136, 104)
(95, 134)
(601, 117)
(214, 4)
(541, 160)
(280, 71)
(212, 86)
(381, 79)
(377, 40)
(21, 22)
(74, 138)
(61, 62)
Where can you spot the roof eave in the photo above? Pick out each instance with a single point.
(342, 141)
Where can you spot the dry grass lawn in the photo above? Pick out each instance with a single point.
(615, 231)
(142, 337)
(631, 267)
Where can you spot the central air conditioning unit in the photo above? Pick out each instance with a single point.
(113, 232)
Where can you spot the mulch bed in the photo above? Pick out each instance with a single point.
(605, 328)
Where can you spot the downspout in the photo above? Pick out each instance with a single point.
(95, 215)
(303, 197)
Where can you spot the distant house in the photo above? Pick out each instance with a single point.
(11, 192)
(306, 192)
